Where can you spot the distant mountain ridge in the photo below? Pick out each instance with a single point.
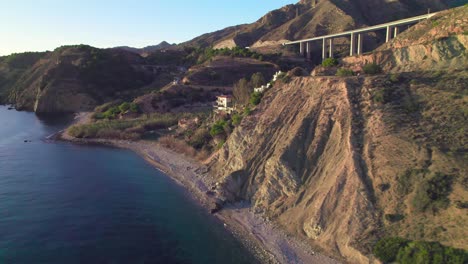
(148, 49)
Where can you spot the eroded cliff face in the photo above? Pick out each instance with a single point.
(300, 159)
(323, 159)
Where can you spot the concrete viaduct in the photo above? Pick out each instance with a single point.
(356, 36)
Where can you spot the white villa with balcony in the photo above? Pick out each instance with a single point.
(224, 104)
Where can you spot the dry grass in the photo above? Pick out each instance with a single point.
(182, 147)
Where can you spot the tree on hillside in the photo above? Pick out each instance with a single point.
(257, 79)
(242, 90)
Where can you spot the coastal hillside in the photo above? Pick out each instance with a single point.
(11, 69)
(310, 18)
(344, 162)
(77, 78)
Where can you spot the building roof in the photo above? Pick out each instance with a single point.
(224, 96)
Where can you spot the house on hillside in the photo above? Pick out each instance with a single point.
(224, 104)
(262, 88)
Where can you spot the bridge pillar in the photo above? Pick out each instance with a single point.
(359, 44)
(389, 33)
(301, 48)
(397, 31)
(352, 46)
(309, 50)
(330, 52)
(324, 49)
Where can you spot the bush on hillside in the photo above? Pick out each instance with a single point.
(329, 62)
(402, 251)
(257, 80)
(387, 249)
(372, 68)
(255, 98)
(218, 128)
(298, 72)
(343, 72)
(236, 119)
(433, 193)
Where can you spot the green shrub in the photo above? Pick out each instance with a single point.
(255, 98)
(329, 62)
(387, 249)
(394, 78)
(343, 72)
(402, 251)
(236, 119)
(199, 138)
(433, 193)
(124, 107)
(134, 108)
(111, 113)
(247, 111)
(419, 252)
(372, 68)
(218, 128)
(379, 96)
(394, 217)
(407, 179)
(220, 144)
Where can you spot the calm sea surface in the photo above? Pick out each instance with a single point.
(62, 203)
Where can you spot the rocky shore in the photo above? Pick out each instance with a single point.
(266, 241)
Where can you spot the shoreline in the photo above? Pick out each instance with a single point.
(262, 238)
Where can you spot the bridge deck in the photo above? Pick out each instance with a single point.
(401, 22)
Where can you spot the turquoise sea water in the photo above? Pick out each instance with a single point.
(62, 203)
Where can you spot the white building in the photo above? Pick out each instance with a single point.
(275, 77)
(224, 104)
(262, 88)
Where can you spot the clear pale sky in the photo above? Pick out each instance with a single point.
(38, 25)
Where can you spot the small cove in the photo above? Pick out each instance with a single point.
(63, 203)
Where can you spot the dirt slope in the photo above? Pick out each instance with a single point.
(342, 162)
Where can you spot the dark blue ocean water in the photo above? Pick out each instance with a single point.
(62, 203)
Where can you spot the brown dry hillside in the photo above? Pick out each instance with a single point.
(225, 71)
(309, 18)
(77, 78)
(345, 161)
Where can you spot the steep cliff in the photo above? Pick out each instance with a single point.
(342, 162)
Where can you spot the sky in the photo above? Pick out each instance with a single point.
(39, 25)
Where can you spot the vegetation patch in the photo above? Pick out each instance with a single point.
(408, 178)
(329, 62)
(132, 129)
(433, 193)
(111, 111)
(343, 72)
(255, 98)
(244, 87)
(372, 68)
(402, 251)
(394, 217)
(218, 128)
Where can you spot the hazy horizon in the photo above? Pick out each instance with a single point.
(46, 25)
